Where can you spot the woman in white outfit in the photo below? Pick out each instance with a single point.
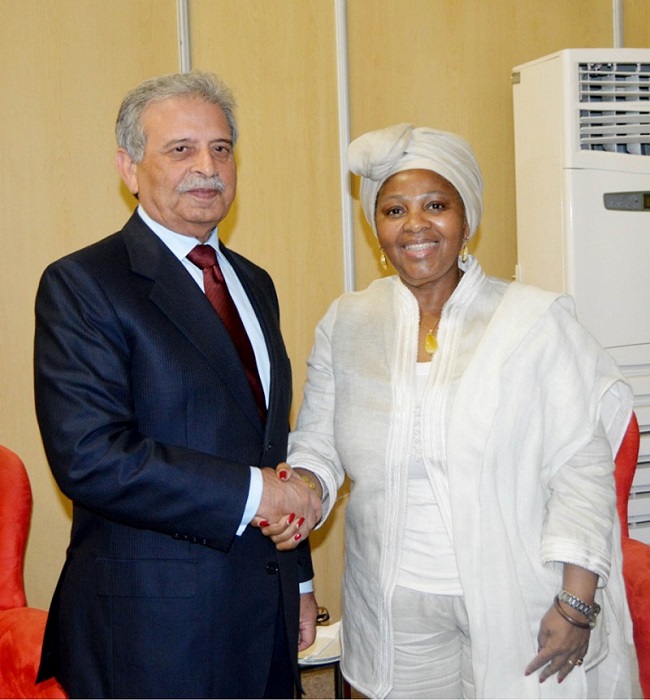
(477, 421)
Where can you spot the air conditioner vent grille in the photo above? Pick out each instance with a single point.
(617, 118)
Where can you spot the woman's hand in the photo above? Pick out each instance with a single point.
(289, 530)
(562, 646)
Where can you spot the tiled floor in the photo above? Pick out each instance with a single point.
(319, 683)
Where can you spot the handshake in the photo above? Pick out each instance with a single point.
(291, 505)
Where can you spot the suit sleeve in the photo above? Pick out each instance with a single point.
(100, 456)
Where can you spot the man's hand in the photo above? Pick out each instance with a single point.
(290, 507)
(307, 623)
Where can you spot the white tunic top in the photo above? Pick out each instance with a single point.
(533, 389)
(428, 560)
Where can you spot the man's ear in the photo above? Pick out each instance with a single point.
(126, 167)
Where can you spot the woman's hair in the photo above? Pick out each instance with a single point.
(377, 155)
(206, 86)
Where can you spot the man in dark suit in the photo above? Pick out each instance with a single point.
(147, 407)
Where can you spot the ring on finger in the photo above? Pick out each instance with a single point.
(579, 662)
(571, 663)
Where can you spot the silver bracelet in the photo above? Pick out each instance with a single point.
(589, 611)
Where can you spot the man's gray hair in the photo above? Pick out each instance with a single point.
(207, 86)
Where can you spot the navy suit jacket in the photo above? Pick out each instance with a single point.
(150, 426)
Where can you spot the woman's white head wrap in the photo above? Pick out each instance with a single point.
(377, 155)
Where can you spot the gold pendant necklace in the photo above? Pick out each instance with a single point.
(430, 340)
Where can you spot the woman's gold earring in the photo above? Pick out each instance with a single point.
(382, 260)
(464, 253)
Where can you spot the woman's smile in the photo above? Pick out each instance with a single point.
(421, 249)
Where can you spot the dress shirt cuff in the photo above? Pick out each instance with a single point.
(254, 498)
(307, 587)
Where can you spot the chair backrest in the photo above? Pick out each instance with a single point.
(626, 460)
(15, 514)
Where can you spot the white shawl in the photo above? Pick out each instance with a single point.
(516, 390)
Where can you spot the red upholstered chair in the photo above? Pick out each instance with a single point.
(636, 555)
(21, 628)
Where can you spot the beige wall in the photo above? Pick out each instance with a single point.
(282, 66)
(66, 65)
(280, 57)
(447, 65)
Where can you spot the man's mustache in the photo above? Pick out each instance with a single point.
(197, 182)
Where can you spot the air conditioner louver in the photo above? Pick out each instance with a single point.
(618, 116)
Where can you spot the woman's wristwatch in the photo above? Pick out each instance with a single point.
(589, 611)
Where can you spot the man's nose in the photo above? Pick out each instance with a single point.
(206, 162)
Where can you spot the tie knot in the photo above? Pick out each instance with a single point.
(203, 256)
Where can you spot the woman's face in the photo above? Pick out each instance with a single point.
(421, 225)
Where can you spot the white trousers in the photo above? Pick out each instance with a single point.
(432, 655)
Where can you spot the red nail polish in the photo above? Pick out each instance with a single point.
(290, 518)
(300, 522)
(283, 474)
(264, 523)
(297, 537)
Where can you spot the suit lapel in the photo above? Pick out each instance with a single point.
(180, 299)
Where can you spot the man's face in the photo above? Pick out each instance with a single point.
(187, 178)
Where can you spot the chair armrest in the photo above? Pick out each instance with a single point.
(636, 572)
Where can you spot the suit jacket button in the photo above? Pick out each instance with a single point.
(272, 568)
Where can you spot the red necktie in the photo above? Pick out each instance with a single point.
(205, 258)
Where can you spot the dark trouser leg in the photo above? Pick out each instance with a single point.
(280, 683)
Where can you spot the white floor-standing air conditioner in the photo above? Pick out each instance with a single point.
(582, 156)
